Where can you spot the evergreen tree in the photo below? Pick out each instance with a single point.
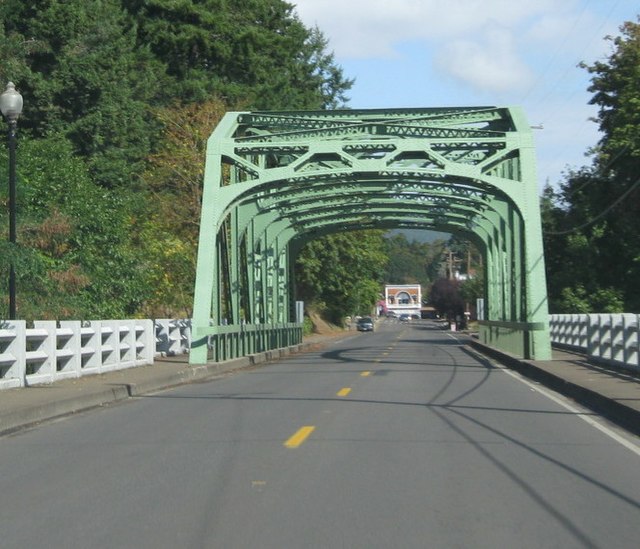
(88, 79)
(254, 52)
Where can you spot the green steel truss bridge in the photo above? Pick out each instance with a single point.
(276, 180)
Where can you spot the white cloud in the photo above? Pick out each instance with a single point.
(448, 31)
(365, 28)
(488, 64)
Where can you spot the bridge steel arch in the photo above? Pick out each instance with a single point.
(276, 180)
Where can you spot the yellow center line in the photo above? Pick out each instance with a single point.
(365, 373)
(299, 437)
(344, 392)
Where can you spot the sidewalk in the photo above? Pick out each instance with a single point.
(613, 394)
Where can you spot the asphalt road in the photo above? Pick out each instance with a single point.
(400, 438)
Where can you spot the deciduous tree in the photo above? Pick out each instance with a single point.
(342, 273)
(592, 225)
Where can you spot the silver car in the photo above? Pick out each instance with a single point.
(365, 324)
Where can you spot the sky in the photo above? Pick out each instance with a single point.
(436, 53)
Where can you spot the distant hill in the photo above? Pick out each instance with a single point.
(420, 235)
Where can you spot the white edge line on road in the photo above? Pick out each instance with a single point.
(594, 423)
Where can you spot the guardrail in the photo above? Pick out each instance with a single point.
(233, 341)
(607, 338)
(51, 351)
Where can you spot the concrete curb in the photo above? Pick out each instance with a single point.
(626, 417)
(28, 416)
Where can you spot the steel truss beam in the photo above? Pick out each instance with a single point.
(276, 180)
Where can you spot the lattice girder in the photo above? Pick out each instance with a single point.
(275, 180)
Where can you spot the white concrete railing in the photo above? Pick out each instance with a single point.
(52, 351)
(173, 336)
(608, 338)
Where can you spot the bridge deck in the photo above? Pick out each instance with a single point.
(612, 393)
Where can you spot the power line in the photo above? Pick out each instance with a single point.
(600, 171)
(585, 43)
(552, 58)
(593, 35)
(601, 214)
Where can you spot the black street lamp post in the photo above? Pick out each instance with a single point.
(11, 107)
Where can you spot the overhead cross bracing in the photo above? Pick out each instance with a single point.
(276, 180)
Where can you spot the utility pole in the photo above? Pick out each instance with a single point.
(450, 263)
(450, 256)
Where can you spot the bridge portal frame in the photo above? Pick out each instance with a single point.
(276, 180)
